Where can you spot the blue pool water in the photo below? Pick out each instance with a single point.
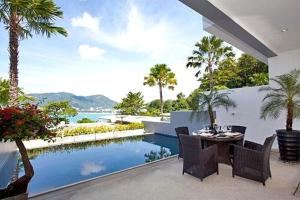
(63, 165)
(92, 116)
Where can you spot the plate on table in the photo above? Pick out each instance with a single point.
(206, 134)
(232, 134)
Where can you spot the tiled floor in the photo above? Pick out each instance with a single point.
(163, 180)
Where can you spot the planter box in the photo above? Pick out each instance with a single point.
(289, 145)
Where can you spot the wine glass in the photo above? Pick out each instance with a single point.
(229, 128)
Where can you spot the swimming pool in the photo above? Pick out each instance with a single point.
(67, 164)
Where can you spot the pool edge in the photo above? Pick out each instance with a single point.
(100, 177)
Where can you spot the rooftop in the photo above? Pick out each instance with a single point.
(163, 180)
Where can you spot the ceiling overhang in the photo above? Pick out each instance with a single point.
(218, 23)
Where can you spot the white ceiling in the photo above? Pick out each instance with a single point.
(265, 19)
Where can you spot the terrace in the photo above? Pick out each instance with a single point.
(256, 28)
(163, 180)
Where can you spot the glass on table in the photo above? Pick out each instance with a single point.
(229, 128)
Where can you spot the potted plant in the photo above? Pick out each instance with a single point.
(285, 95)
(23, 123)
(208, 101)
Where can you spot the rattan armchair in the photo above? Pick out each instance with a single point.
(183, 131)
(198, 162)
(239, 129)
(252, 160)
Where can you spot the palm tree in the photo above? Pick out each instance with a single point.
(209, 51)
(284, 97)
(22, 18)
(208, 101)
(162, 76)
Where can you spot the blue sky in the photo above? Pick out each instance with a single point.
(110, 48)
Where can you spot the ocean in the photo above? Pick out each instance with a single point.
(92, 116)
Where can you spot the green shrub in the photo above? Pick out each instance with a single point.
(99, 129)
(85, 120)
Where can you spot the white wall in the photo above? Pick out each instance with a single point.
(284, 63)
(249, 101)
(178, 118)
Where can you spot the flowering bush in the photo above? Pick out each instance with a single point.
(99, 129)
(24, 123)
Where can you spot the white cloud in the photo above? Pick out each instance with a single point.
(142, 34)
(88, 22)
(90, 53)
(90, 168)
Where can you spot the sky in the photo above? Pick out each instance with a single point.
(111, 46)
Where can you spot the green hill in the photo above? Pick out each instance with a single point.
(82, 102)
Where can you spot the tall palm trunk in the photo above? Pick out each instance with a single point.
(14, 59)
(211, 116)
(289, 119)
(210, 71)
(20, 185)
(161, 101)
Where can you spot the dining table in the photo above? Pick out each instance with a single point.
(222, 140)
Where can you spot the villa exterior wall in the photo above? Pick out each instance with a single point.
(178, 118)
(249, 101)
(247, 112)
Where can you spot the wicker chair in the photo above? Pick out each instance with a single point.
(239, 129)
(252, 160)
(183, 131)
(198, 162)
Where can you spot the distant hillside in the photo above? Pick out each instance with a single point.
(82, 102)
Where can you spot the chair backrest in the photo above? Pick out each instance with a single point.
(191, 146)
(239, 129)
(267, 146)
(182, 130)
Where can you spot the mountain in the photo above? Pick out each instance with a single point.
(82, 102)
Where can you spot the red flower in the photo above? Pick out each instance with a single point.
(7, 116)
(20, 122)
(24, 122)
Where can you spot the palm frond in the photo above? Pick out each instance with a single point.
(272, 108)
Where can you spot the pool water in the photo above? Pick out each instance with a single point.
(62, 165)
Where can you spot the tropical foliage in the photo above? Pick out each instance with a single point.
(208, 101)
(284, 95)
(23, 123)
(209, 51)
(4, 94)
(59, 111)
(132, 104)
(99, 129)
(22, 18)
(162, 76)
(232, 73)
(153, 107)
(85, 120)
